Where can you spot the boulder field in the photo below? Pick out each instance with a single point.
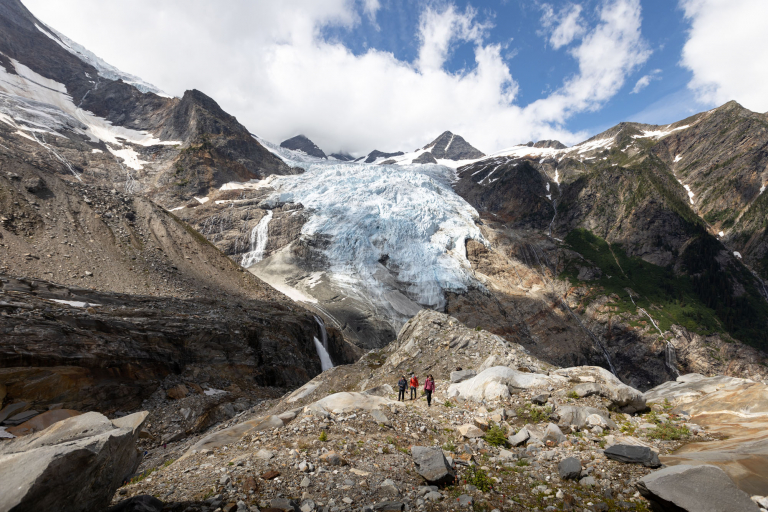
(505, 431)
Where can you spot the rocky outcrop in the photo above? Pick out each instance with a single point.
(736, 409)
(303, 144)
(694, 489)
(449, 146)
(77, 464)
(424, 158)
(376, 154)
(120, 347)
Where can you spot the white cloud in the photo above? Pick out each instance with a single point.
(606, 55)
(645, 81)
(727, 51)
(563, 27)
(268, 64)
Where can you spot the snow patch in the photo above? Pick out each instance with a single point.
(214, 392)
(96, 151)
(737, 254)
(202, 200)
(721, 234)
(677, 158)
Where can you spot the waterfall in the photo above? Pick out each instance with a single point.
(259, 236)
(322, 348)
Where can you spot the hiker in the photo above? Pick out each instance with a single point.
(401, 385)
(429, 387)
(414, 386)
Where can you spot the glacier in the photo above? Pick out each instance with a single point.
(392, 229)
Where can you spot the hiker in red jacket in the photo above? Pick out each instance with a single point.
(414, 386)
(429, 387)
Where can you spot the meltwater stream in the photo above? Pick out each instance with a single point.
(322, 347)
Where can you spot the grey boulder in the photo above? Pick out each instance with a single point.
(432, 465)
(380, 418)
(569, 468)
(553, 435)
(633, 454)
(74, 465)
(522, 436)
(686, 488)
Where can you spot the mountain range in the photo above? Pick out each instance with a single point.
(149, 241)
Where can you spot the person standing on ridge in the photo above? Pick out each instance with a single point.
(414, 386)
(401, 385)
(429, 387)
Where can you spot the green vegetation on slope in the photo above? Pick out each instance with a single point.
(703, 302)
(668, 298)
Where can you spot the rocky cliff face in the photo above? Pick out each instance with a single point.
(303, 144)
(452, 147)
(87, 156)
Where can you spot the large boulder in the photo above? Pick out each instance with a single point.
(350, 401)
(432, 465)
(623, 398)
(633, 454)
(569, 468)
(76, 464)
(694, 489)
(495, 382)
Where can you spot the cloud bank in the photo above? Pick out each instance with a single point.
(268, 64)
(727, 51)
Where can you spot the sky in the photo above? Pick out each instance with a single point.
(358, 75)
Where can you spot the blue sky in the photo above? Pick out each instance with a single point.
(536, 66)
(358, 75)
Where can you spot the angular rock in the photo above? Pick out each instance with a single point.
(389, 506)
(284, 505)
(462, 375)
(470, 431)
(522, 436)
(465, 500)
(264, 454)
(18, 419)
(481, 423)
(702, 488)
(569, 468)
(588, 481)
(75, 464)
(540, 399)
(553, 435)
(633, 454)
(432, 465)
(331, 458)
(380, 418)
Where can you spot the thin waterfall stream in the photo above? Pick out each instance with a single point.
(322, 347)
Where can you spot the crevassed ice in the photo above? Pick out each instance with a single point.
(408, 213)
